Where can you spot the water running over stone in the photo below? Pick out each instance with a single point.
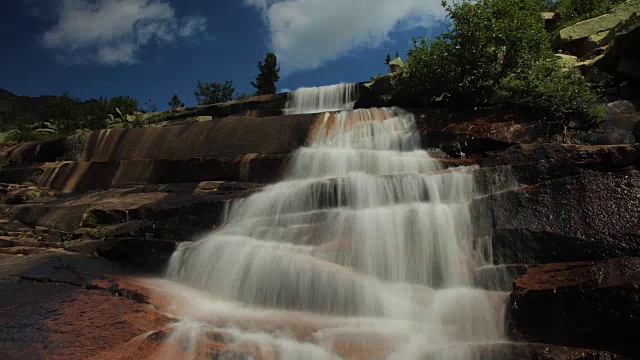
(319, 99)
(366, 228)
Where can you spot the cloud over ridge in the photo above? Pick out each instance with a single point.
(307, 33)
(113, 32)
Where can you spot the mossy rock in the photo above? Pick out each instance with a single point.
(587, 28)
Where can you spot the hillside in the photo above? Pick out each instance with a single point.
(28, 108)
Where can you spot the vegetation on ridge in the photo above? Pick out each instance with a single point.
(175, 102)
(214, 92)
(497, 52)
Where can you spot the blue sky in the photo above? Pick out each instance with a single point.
(152, 49)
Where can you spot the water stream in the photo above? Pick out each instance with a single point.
(366, 249)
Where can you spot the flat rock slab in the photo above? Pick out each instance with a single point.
(67, 306)
(68, 212)
(60, 305)
(584, 304)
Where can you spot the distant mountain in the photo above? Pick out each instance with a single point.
(26, 107)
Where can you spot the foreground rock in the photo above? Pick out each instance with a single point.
(136, 225)
(61, 305)
(587, 304)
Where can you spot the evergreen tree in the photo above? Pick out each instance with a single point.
(175, 102)
(266, 80)
(387, 61)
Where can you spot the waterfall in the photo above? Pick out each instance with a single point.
(367, 234)
(320, 99)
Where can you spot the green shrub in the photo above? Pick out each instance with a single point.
(125, 105)
(553, 94)
(214, 92)
(496, 52)
(486, 41)
(90, 220)
(428, 69)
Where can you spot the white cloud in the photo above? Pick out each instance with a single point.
(193, 26)
(306, 33)
(113, 32)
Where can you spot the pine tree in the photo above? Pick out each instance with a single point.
(175, 102)
(387, 61)
(266, 80)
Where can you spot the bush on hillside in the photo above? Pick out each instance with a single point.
(64, 112)
(486, 41)
(214, 92)
(68, 113)
(27, 132)
(553, 94)
(491, 47)
(126, 104)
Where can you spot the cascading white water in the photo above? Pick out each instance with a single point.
(366, 228)
(319, 99)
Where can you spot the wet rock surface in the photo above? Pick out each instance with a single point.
(61, 305)
(58, 304)
(576, 218)
(589, 304)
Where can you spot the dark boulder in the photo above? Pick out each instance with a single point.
(146, 254)
(576, 218)
(587, 304)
